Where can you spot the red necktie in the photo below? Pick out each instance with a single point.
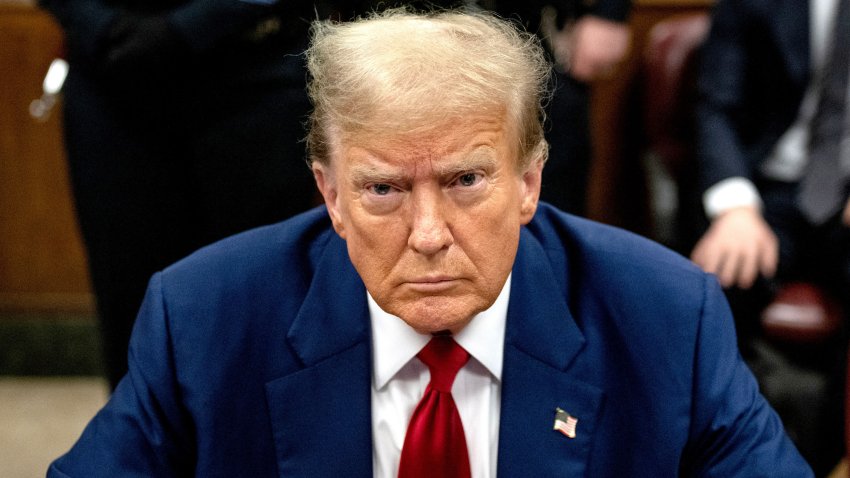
(435, 445)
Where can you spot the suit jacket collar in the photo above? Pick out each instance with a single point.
(321, 414)
(334, 314)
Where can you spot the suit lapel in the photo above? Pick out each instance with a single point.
(542, 344)
(321, 414)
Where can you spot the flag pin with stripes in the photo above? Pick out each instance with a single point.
(565, 423)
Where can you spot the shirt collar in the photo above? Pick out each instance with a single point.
(394, 343)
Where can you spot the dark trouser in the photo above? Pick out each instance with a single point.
(803, 382)
(158, 172)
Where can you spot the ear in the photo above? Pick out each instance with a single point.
(531, 180)
(326, 182)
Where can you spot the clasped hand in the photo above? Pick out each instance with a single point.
(739, 245)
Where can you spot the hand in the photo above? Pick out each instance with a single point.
(846, 216)
(738, 246)
(592, 47)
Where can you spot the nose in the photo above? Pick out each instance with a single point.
(430, 232)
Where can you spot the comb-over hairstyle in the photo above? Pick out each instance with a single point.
(401, 72)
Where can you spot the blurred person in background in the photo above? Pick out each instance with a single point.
(586, 40)
(183, 124)
(774, 162)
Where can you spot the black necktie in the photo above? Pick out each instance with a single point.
(822, 188)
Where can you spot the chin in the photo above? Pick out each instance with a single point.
(431, 316)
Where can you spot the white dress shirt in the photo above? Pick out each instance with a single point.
(789, 157)
(399, 380)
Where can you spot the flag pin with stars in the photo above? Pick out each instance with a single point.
(565, 423)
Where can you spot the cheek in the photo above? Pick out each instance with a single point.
(373, 233)
(497, 220)
(375, 245)
(490, 240)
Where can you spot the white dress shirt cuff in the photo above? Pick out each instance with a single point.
(729, 194)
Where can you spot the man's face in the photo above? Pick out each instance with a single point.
(432, 221)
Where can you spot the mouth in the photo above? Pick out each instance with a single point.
(431, 284)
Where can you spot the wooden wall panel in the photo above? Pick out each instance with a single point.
(42, 264)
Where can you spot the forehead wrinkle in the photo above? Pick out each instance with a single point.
(409, 156)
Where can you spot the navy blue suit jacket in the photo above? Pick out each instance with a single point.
(252, 358)
(754, 74)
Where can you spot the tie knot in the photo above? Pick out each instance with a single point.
(444, 357)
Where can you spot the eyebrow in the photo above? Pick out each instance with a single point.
(362, 174)
(481, 158)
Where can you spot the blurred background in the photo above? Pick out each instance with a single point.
(51, 375)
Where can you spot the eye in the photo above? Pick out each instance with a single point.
(468, 179)
(380, 189)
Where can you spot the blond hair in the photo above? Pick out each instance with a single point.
(400, 72)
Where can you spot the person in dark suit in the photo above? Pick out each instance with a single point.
(433, 319)
(771, 75)
(183, 125)
(586, 40)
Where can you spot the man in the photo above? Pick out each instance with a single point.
(563, 348)
(772, 120)
(182, 126)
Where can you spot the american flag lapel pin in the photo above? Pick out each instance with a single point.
(565, 423)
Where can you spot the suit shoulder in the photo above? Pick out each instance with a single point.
(608, 258)
(242, 293)
(296, 233)
(292, 245)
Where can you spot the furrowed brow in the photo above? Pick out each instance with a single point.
(363, 174)
(480, 159)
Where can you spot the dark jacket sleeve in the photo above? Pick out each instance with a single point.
(722, 83)
(614, 10)
(734, 431)
(206, 24)
(754, 76)
(85, 23)
(202, 24)
(142, 430)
